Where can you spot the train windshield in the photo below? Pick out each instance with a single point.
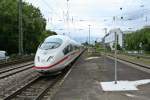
(51, 44)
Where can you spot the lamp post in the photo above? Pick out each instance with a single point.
(89, 33)
(105, 29)
(115, 41)
(115, 58)
(89, 37)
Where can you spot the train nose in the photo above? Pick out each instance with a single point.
(50, 58)
(45, 59)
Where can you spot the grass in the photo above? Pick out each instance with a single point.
(140, 60)
(135, 59)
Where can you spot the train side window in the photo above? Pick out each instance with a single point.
(66, 50)
(77, 47)
(71, 47)
(74, 47)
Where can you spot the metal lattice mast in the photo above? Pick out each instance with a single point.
(20, 29)
(67, 17)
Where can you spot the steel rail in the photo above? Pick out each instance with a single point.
(21, 89)
(49, 84)
(13, 68)
(15, 72)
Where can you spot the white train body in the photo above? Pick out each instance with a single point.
(55, 53)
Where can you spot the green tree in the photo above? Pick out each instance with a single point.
(138, 40)
(34, 26)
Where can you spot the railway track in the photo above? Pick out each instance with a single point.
(15, 61)
(15, 69)
(36, 88)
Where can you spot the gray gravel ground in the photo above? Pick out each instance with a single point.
(83, 82)
(11, 83)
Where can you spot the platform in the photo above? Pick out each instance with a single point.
(83, 82)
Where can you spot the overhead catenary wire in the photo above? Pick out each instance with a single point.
(52, 13)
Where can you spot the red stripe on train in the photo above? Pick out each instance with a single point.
(46, 67)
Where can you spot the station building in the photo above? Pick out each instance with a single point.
(109, 38)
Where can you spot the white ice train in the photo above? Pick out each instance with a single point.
(55, 53)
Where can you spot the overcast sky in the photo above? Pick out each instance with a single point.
(97, 13)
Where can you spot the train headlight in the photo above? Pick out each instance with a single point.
(49, 58)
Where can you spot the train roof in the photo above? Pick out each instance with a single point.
(65, 39)
(1, 51)
(57, 36)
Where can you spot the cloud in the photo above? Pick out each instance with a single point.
(98, 13)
